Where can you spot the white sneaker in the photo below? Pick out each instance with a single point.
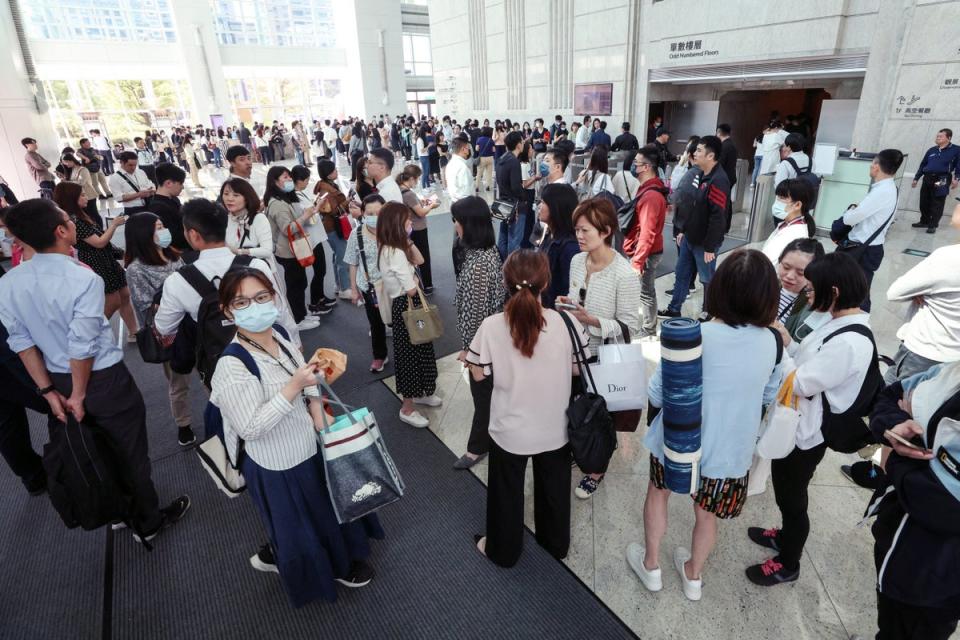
(693, 589)
(308, 323)
(414, 419)
(345, 294)
(652, 580)
(430, 401)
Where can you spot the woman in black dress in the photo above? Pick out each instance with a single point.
(95, 251)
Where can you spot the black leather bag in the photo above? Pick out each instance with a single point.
(148, 342)
(590, 430)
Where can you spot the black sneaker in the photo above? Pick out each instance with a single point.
(37, 488)
(770, 573)
(931, 229)
(327, 302)
(319, 309)
(919, 225)
(428, 291)
(360, 575)
(169, 516)
(693, 287)
(765, 537)
(667, 313)
(264, 560)
(864, 474)
(185, 436)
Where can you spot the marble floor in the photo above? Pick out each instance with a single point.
(834, 597)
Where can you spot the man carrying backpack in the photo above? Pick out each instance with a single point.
(52, 308)
(193, 290)
(643, 240)
(794, 163)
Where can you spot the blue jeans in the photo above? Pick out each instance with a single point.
(511, 235)
(425, 168)
(690, 258)
(757, 161)
(299, 154)
(218, 158)
(341, 271)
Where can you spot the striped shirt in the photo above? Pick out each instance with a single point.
(279, 435)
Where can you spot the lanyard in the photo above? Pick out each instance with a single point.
(253, 344)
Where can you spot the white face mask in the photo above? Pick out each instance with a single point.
(779, 209)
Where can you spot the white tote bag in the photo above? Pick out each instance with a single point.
(621, 376)
(778, 430)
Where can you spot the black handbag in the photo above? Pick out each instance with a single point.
(590, 428)
(840, 232)
(148, 342)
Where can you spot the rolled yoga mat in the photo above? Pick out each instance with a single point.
(682, 373)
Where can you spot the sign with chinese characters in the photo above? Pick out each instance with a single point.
(950, 83)
(681, 49)
(910, 106)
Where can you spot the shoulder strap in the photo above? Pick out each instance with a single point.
(874, 235)
(578, 351)
(779, 340)
(198, 281)
(863, 330)
(363, 257)
(793, 163)
(279, 328)
(127, 180)
(235, 350)
(240, 261)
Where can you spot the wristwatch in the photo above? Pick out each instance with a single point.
(45, 390)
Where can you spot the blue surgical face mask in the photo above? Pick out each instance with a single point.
(288, 187)
(544, 169)
(779, 209)
(256, 317)
(164, 238)
(370, 221)
(633, 170)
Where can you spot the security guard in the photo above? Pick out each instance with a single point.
(939, 162)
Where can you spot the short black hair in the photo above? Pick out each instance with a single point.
(561, 200)
(473, 214)
(513, 140)
(167, 171)
(206, 217)
(724, 128)
(625, 126)
(713, 145)
(126, 156)
(236, 151)
(650, 154)
(299, 172)
(566, 146)
(810, 246)
(795, 142)
(383, 154)
(948, 132)
(27, 141)
(34, 222)
(603, 125)
(840, 271)
(560, 156)
(744, 290)
(889, 160)
(138, 139)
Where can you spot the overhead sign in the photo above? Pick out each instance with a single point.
(681, 49)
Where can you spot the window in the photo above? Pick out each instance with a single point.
(118, 20)
(285, 99)
(275, 23)
(417, 60)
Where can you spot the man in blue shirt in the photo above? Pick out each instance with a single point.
(52, 307)
(599, 137)
(940, 172)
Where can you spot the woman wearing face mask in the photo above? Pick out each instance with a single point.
(361, 256)
(149, 259)
(792, 205)
(332, 205)
(275, 415)
(557, 203)
(415, 364)
(320, 304)
(796, 295)
(407, 181)
(279, 197)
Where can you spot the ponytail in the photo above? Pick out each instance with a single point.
(526, 273)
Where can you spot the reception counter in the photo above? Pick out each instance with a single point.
(847, 185)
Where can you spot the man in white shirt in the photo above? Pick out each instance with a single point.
(583, 134)
(457, 172)
(130, 185)
(871, 218)
(330, 139)
(792, 159)
(380, 168)
(205, 228)
(556, 162)
(102, 145)
(145, 159)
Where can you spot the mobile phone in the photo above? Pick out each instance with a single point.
(904, 441)
(565, 305)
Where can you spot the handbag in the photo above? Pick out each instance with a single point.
(840, 233)
(148, 342)
(345, 227)
(505, 209)
(423, 323)
(621, 376)
(778, 429)
(361, 476)
(300, 244)
(590, 426)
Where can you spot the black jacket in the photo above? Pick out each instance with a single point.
(664, 154)
(509, 178)
(168, 210)
(728, 160)
(707, 222)
(625, 142)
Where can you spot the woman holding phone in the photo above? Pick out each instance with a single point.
(407, 181)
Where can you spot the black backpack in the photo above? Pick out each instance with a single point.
(847, 432)
(213, 330)
(806, 175)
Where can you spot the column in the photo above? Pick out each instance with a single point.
(200, 53)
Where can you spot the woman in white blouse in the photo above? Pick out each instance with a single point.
(792, 206)
(604, 290)
(595, 179)
(416, 364)
(270, 416)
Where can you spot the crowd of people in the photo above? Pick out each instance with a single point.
(571, 268)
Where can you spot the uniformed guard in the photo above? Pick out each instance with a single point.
(940, 172)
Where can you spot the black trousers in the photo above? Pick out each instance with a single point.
(479, 442)
(931, 205)
(551, 503)
(422, 242)
(378, 330)
(900, 621)
(319, 274)
(115, 405)
(295, 278)
(791, 479)
(870, 259)
(17, 394)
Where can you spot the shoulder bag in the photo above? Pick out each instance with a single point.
(840, 232)
(375, 292)
(423, 323)
(135, 187)
(300, 244)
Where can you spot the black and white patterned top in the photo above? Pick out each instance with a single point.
(480, 291)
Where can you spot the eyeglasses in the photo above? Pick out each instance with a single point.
(241, 303)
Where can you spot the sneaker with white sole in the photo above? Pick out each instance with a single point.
(587, 487)
(693, 589)
(345, 295)
(429, 401)
(308, 323)
(169, 516)
(264, 560)
(377, 366)
(414, 419)
(651, 578)
(360, 575)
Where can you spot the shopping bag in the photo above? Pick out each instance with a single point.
(423, 323)
(759, 475)
(361, 476)
(621, 376)
(300, 244)
(332, 363)
(384, 303)
(778, 429)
